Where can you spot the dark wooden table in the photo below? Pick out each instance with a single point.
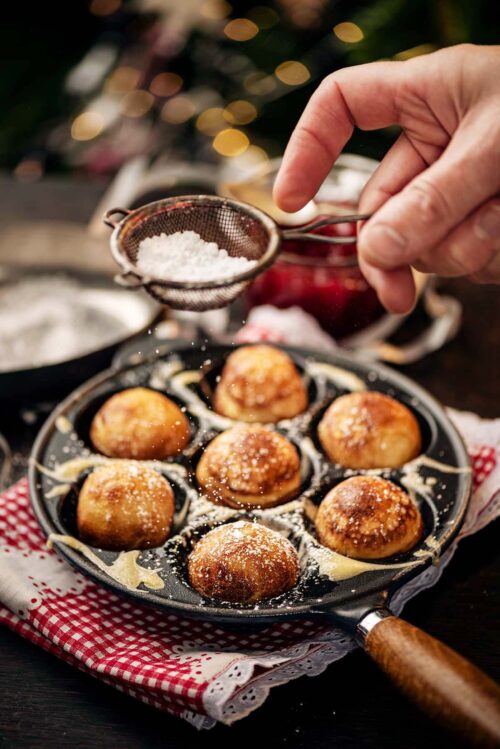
(44, 702)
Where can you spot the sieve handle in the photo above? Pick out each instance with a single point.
(130, 281)
(107, 216)
(304, 232)
(441, 682)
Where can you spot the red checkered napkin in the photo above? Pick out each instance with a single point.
(193, 669)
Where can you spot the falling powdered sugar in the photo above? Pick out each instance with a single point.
(185, 256)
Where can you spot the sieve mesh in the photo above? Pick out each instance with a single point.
(240, 229)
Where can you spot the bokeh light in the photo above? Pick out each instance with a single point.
(421, 49)
(216, 10)
(211, 121)
(166, 84)
(104, 7)
(241, 29)
(29, 170)
(122, 80)
(263, 16)
(87, 125)
(177, 110)
(251, 161)
(292, 73)
(348, 32)
(231, 142)
(259, 83)
(255, 155)
(136, 103)
(303, 14)
(240, 112)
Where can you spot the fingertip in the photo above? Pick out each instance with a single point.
(289, 203)
(395, 288)
(397, 291)
(396, 304)
(286, 199)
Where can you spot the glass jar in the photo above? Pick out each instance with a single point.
(306, 275)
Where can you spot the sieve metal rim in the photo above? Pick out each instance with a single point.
(160, 206)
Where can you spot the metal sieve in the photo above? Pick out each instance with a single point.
(239, 228)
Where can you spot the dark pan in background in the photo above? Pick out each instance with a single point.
(127, 315)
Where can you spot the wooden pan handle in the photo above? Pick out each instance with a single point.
(441, 682)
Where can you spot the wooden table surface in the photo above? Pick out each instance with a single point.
(44, 702)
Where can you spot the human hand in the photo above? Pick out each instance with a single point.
(436, 192)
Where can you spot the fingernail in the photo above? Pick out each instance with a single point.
(487, 225)
(383, 242)
(289, 202)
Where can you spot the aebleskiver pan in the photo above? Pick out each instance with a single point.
(442, 683)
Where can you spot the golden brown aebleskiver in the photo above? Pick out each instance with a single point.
(249, 466)
(243, 562)
(260, 384)
(368, 517)
(139, 424)
(369, 430)
(125, 505)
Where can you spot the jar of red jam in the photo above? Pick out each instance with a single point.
(308, 274)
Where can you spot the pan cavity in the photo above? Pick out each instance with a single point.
(179, 548)
(426, 547)
(66, 510)
(426, 424)
(310, 470)
(210, 373)
(85, 415)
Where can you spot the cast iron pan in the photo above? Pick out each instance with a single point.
(439, 680)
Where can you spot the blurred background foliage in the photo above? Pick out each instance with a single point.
(88, 84)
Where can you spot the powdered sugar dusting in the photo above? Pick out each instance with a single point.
(185, 256)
